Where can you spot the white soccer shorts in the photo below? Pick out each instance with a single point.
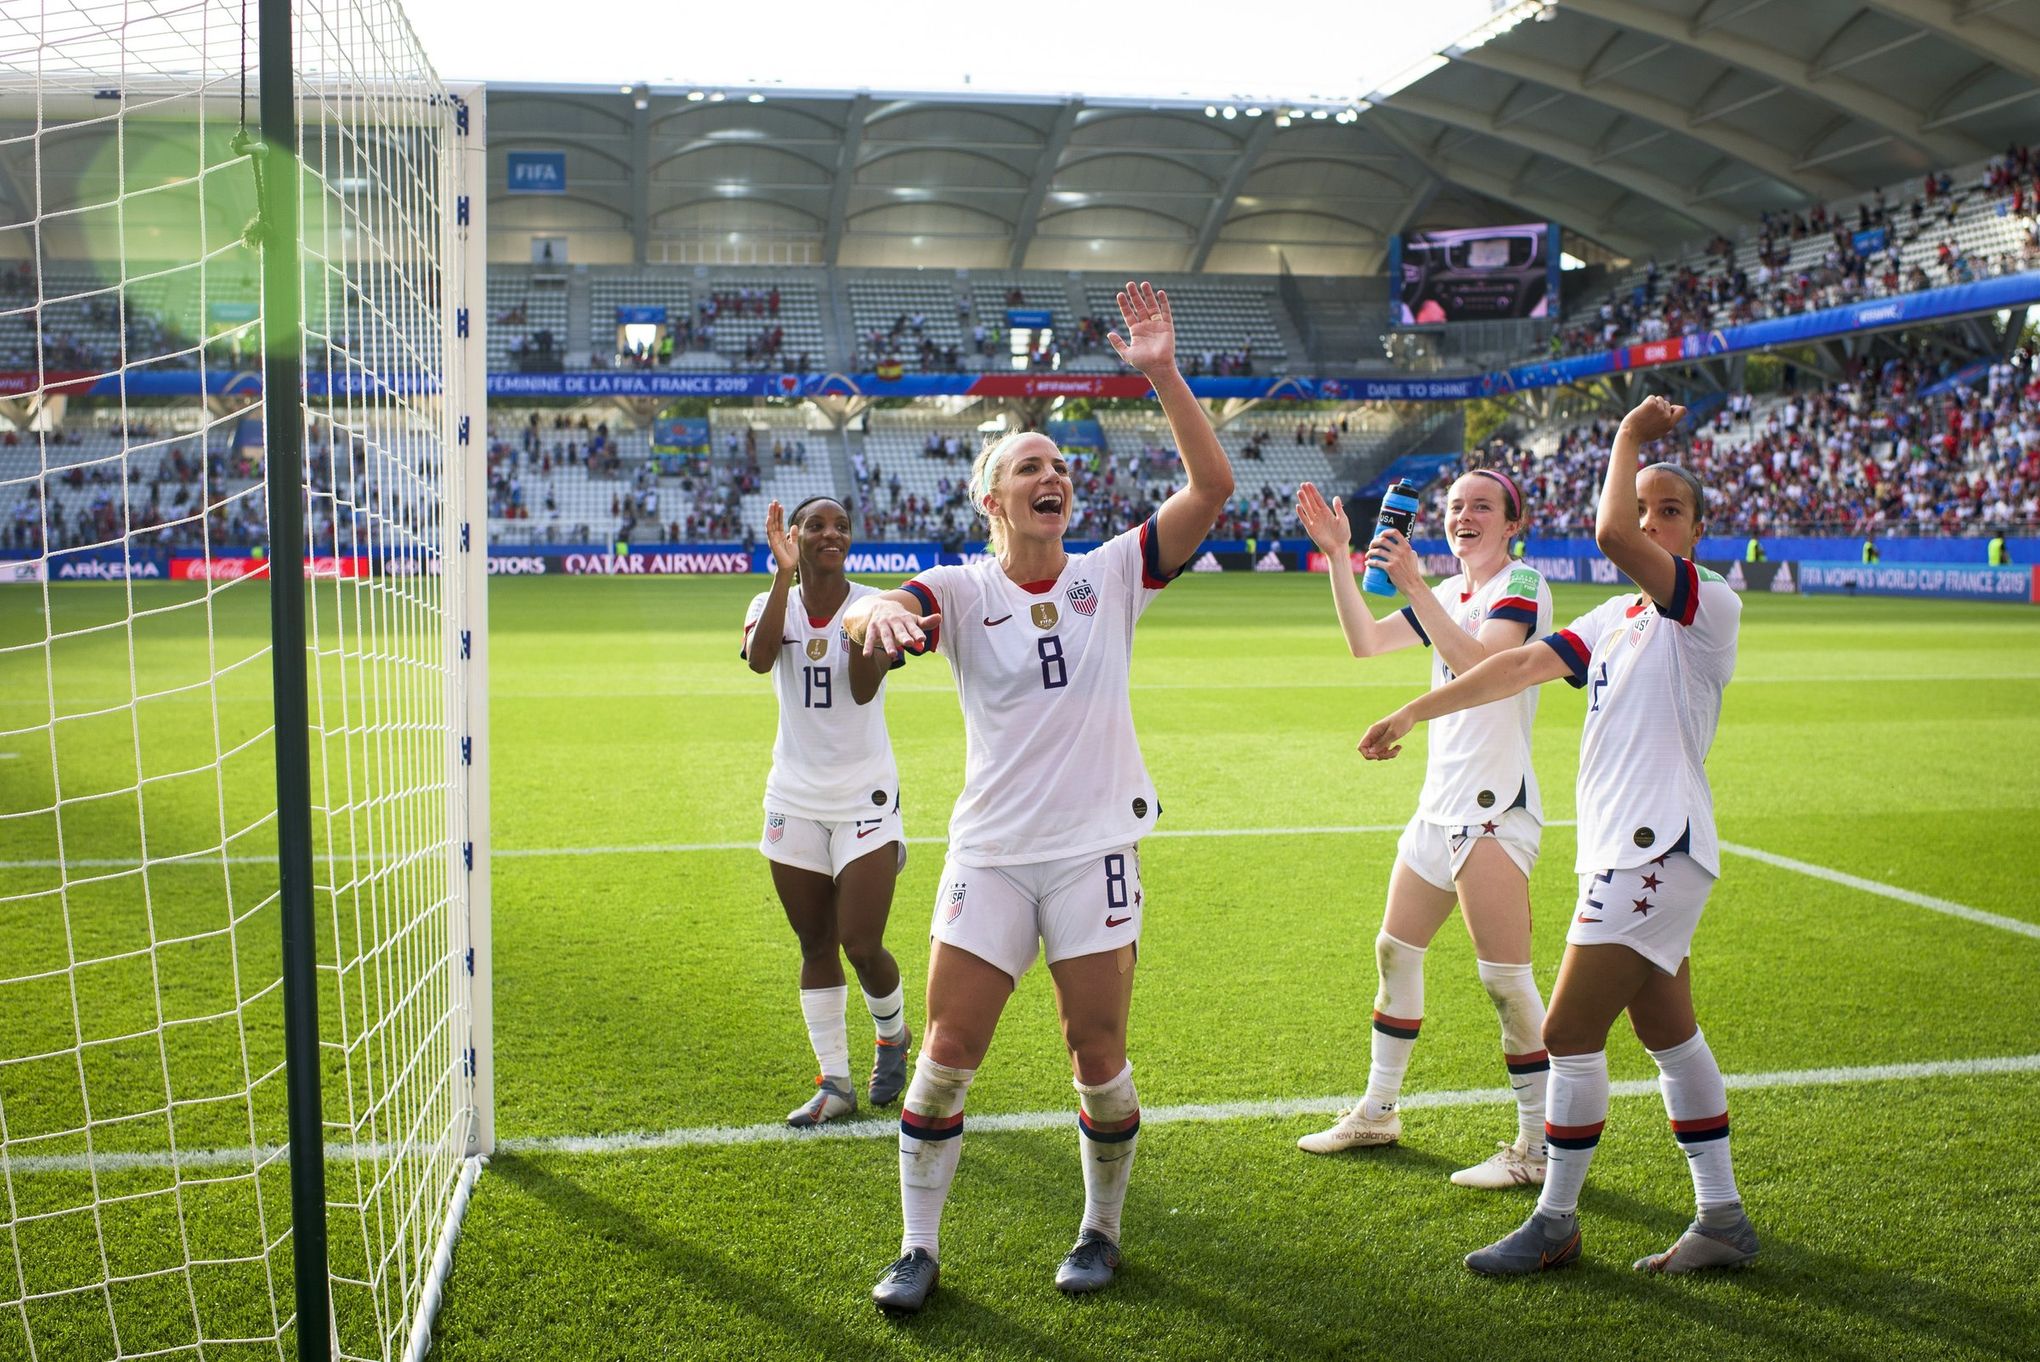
(1083, 905)
(1651, 908)
(826, 848)
(1438, 851)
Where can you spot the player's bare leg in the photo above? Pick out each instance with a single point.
(965, 997)
(1093, 995)
(864, 894)
(1595, 984)
(1416, 910)
(810, 903)
(1494, 897)
(1696, 1102)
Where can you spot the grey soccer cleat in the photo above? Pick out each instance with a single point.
(907, 1284)
(1540, 1243)
(889, 1068)
(1702, 1247)
(831, 1099)
(1089, 1266)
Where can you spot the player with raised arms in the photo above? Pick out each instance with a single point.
(1479, 820)
(1044, 843)
(832, 800)
(1654, 665)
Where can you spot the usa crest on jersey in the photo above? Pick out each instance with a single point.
(1083, 599)
(953, 909)
(775, 826)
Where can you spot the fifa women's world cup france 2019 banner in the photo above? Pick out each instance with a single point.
(1948, 581)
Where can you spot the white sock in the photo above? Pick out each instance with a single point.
(1697, 1103)
(931, 1141)
(1398, 1013)
(1108, 1128)
(826, 1029)
(888, 1014)
(1578, 1109)
(1514, 993)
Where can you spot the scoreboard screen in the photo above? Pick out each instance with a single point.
(1474, 274)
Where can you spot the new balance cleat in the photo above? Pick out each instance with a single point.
(831, 1099)
(907, 1284)
(1511, 1166)
(1702, 1247)
(1540, 1243)
(889, 1068)
(1089, 1266)
(1355, 1130)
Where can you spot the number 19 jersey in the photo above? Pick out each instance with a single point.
(832, 760)
(1052, 769)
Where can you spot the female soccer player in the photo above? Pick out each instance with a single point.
(832, 800)
(1475, 834)
(1044, 843)
(1655, 665)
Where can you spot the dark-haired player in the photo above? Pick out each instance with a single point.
(832, 800)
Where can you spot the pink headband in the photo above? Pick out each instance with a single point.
(1508, 485)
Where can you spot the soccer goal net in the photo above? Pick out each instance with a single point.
(244, 1028)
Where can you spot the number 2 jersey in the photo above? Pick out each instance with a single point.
(1654, 677)
(832, 760)
(1051, 765)
(1479, 761)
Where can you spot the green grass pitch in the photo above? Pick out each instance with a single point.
(646, 989)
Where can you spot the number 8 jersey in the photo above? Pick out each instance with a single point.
(1051, 766)
(832, 760)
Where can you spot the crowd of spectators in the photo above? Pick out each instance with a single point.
(1869, 456)
(1862, 260)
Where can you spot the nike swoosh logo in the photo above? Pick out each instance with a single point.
(989, 621)
(1111, 921)
(1584, 918)
(1519, 1086)
(863, 831)
(1114, 1158)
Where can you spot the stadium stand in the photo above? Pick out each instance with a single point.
(1957, 228)
(1867, 456)
(527, 320)
(1231, 330)
(884, 310)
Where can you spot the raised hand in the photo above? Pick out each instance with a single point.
(1327, 526)
(1150, 341)
(784, 543)
(1653, 419)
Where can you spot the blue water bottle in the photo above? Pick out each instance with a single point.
(1398, 513)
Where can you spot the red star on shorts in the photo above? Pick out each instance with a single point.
(1642, 906)
(1662, 859)
(1650, 881)
(1488, 828)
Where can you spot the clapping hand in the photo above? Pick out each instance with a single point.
(1327, 526)
(1150, 341)
(784, 543)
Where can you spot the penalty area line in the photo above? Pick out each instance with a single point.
(777, 1132)
(1889, 891)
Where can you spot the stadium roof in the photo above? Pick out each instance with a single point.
(1635, 123)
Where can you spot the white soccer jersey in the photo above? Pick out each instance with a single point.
(831, 760)
(1052, 769)
(1654, 677)
(1479, 762)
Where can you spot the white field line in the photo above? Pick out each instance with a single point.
(1335, 683)
(777, 1132)
(1890, 891)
